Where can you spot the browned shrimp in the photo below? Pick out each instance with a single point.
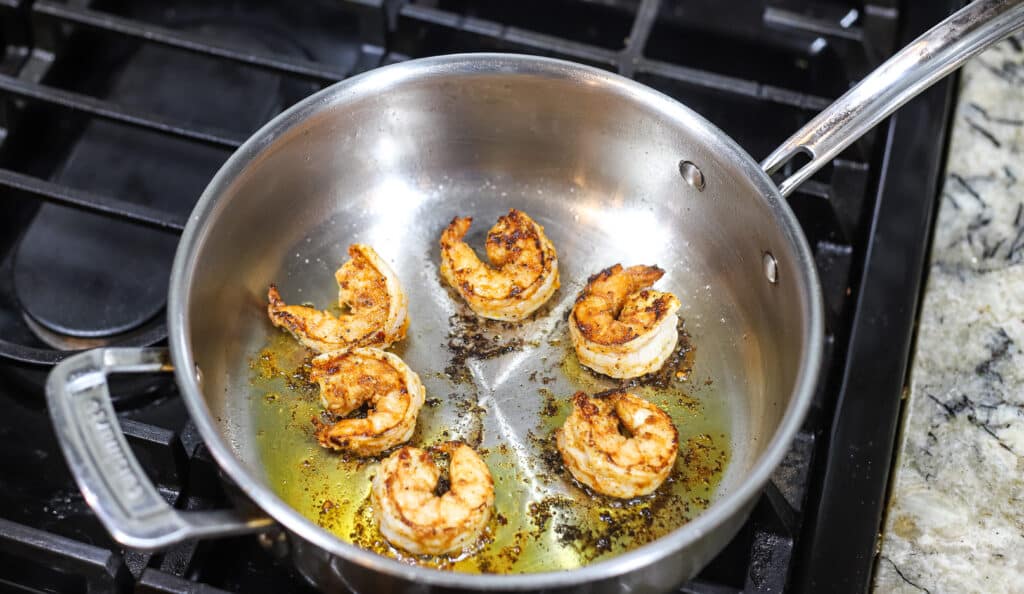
(409, 511)
(523, 270)
(598, 455)
(369, 288)
(352, 378)
(619, 326)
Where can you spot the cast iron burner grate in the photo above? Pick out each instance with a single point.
(115, 114)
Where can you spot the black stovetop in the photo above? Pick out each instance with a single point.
(116, 114)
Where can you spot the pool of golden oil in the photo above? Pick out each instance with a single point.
(563, 524)
(330, 488)
(543, 519)
(315, 481)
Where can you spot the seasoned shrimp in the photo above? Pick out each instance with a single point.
(523, 273)
(620, 327)
(410, 513)
(598, 454)
(369, 288)
(352, 378)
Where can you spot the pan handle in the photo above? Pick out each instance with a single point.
(929, 58)
(107, 471)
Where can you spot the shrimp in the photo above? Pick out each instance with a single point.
(523, 273)
(369, 288)
(350, 379)
(623, 463)
(620, 327)
(409, 511)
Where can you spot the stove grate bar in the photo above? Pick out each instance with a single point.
(114, 112)
(732, 85)
(554, 45)
(199, 44)
(103, 570)
(796, 21)
(105, 205)
(154, 581)
(528, 39)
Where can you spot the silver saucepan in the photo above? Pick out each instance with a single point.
(615, 171)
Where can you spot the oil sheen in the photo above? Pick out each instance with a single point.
(544, 520)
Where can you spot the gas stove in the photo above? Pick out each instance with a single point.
(116, 114)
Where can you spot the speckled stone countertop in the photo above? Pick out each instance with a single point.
(955, 521)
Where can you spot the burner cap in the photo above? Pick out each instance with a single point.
(86, 275)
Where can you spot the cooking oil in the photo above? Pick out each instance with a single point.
(544, 520)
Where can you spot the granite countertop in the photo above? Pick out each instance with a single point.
(955, 521)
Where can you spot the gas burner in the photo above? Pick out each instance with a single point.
(64, 342)
(84, 279)
(83, 276)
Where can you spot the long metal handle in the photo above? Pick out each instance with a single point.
(107, 471)
(929, 58)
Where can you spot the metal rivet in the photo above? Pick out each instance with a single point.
(692, 174)
(199, 376)
(771, 268)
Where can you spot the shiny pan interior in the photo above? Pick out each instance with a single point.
(388, 158)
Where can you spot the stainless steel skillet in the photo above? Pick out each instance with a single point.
(615, 172)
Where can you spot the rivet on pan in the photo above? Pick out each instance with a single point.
(692, 174)
(199, 376)
(771, 268)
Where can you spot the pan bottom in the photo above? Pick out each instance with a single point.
(544, 520)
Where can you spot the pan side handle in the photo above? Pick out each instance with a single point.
(927, 59)
(107, 471)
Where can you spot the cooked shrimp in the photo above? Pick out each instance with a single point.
(620, 327)
(523, 273)
(598, 454)
(392, 392)
(370, 290)
(410, 513)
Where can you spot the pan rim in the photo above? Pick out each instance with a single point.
(722, 510)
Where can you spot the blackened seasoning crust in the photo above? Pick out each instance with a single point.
(472, 337)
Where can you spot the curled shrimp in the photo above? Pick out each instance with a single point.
(352, 378)
(369, 288)
(601, 456)
(523, 270)
(620, 327)
(410, 513)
